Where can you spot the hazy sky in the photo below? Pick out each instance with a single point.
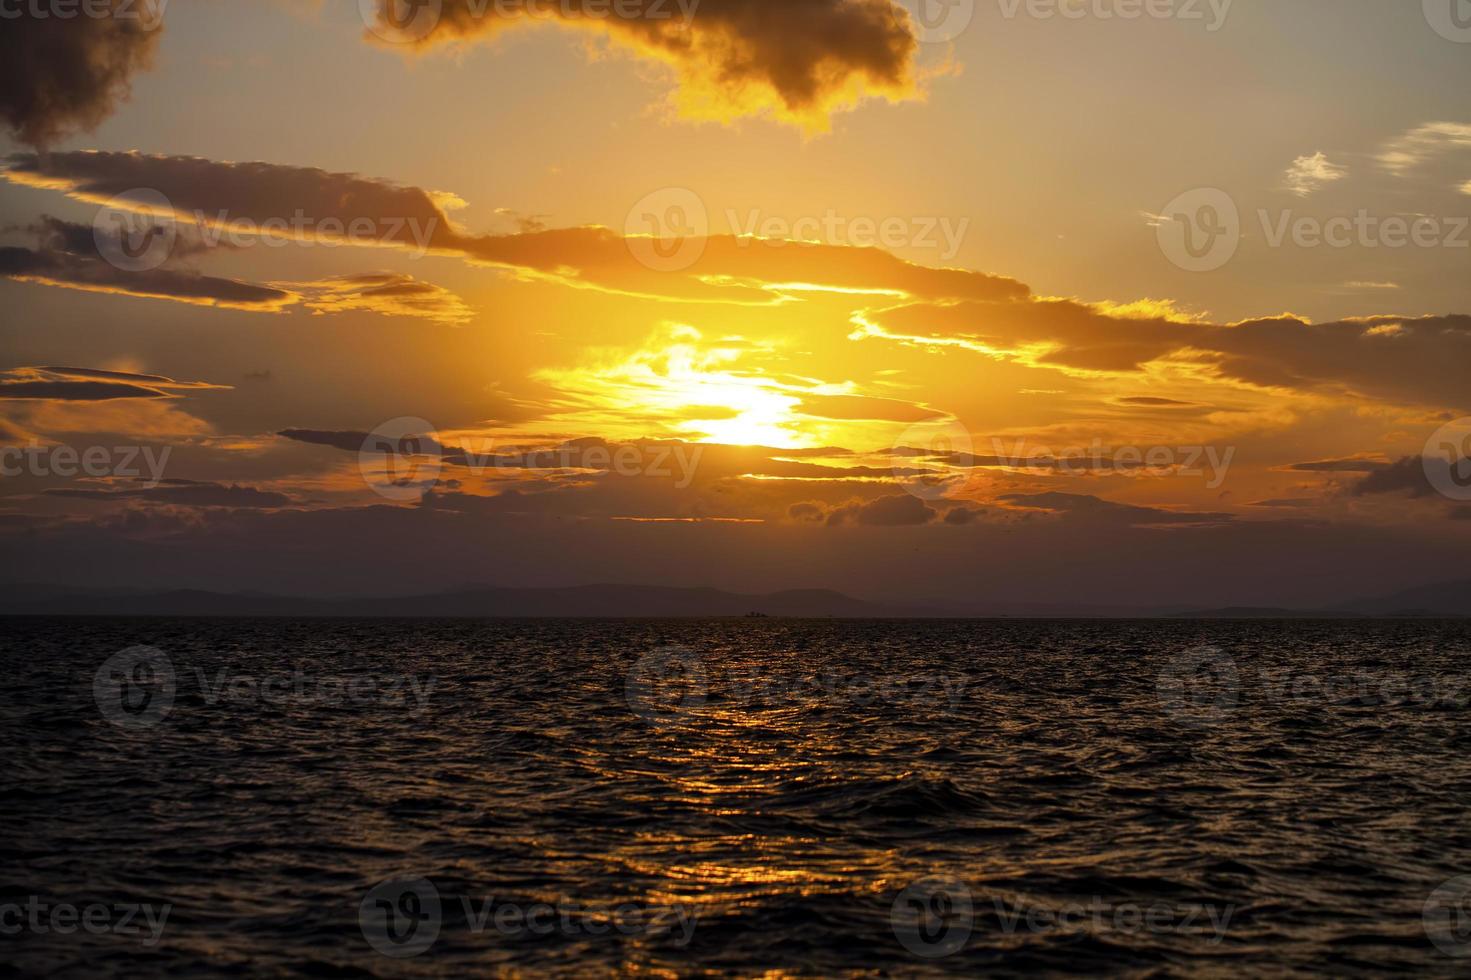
(1116, 299)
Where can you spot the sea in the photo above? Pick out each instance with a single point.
(735, 798)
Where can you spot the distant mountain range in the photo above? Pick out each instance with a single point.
(1444, 599)
(1451, 599)
(592, 601)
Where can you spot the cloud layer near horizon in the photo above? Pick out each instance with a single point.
(1410, 361)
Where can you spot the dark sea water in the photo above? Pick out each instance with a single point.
(741, 798)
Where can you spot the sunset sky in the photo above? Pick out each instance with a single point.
(749, 294)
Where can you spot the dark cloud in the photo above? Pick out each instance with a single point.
(414, 443)
(594, 479)
(385, 293)
(795, 59)
(68, 255)
(77, 372)
(592, 453)
(254, 192)
(59, 74)
(183, 493)
(807, 512)
(1351, 464)
(900, 510)
(728, 268)
(1403, 476)
(1417, 361)
(1409, 360)
(1085, 507)
(1152, 401)
(76, 391)
(1101, 459)
(88, 384)
(94, 275)
(960, 516)
(350, 550)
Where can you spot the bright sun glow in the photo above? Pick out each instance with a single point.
(692, 391)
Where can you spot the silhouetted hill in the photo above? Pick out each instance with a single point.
(1266, 612)
(592, 601)
(1444, 599)
(1452, 599)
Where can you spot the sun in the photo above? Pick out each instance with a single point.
(691, 389)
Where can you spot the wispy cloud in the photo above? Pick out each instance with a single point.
(1423, 142)
(1308, 173)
